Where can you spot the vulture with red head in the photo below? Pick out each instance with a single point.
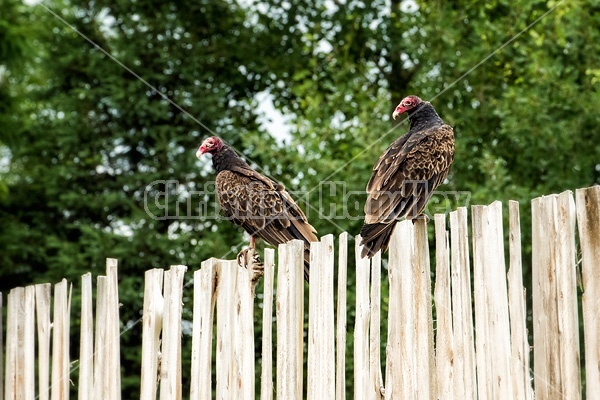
(255, 202)
(406, 174)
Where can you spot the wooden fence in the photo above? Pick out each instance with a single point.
(479, 348)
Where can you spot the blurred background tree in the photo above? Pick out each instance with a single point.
(82, 137)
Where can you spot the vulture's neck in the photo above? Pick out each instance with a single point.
(424, 117)
(227, 158)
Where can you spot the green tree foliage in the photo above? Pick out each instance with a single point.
(82, 137)
(13, 44)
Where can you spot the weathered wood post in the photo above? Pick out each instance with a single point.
(290, 320)
(491, 304)
(555, 323)
(321, 330)
(588, 221)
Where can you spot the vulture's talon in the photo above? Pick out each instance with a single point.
(250, 259)
(242, 258)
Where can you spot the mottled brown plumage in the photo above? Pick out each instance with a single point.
(255, 202)
(406, 174)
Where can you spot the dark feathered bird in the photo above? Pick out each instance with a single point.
(255, 202)
(406, 174)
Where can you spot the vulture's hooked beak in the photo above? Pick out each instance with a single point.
(200, 151)
(399, 110)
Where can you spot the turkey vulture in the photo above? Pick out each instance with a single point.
(406, 174)
(255, 202)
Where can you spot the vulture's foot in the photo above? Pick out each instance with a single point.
(250, 259)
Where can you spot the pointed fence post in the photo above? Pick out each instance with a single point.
(555, 324)
(361, 324)
(518, 311)
(321, 332)
(290, 320)
(410, 369)
(204, 304)
(376, 389)
(244, 362)
(14, 344)
(170, 369)
(491, 303)
(462, 310)
(29, 343)
(425, 353)
(443, 306)
(86, 340)
(340, 360)
(113, 330)
(43, 293)
(100, 344)
(152, 323)
(60, 342)
(227, 276)
(266, 377)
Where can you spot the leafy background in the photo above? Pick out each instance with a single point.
(81, 137)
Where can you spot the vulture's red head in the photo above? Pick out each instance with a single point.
(211, 145)
(407, 104)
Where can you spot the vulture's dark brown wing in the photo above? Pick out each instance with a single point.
(263, 208)
(406, 175)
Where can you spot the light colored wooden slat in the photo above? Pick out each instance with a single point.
(588, 222)
(425, 355)
(340, 367)
(362, 387)
(290, 319)
(29, 343)
(266, 378)
(462, 318)
(491, 303)
(376, 376)
(566, 280)
(444, 338)
(205, 281)
(481, 311)
(59, 389)
(518, 311)
(100, 352)
(244, 384)
(13, 388)
(321, 330)
(170, 369)
(400, 361)
(86, 340)
(152, 324)
(43, 293)
(227, 274)
(555, 325)
(393, 360)
(113, 330)
(543, 294)
(313, 370)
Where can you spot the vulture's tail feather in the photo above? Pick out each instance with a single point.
(376, 237)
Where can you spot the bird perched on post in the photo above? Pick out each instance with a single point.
(406, 174)
(255, 202)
